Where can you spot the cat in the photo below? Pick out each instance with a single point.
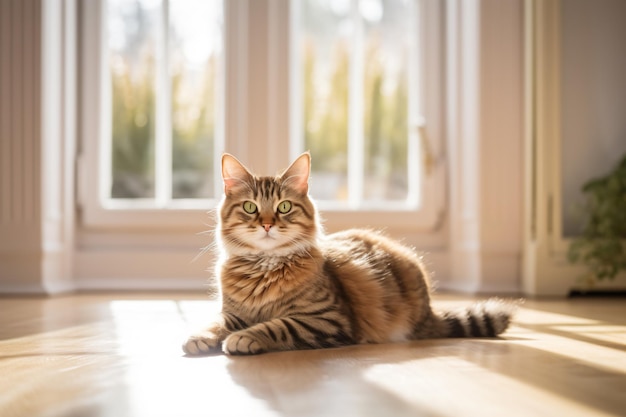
(284, 285)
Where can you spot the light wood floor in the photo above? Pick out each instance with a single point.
(119, 355)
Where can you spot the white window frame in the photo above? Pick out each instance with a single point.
(255, 121)
(98, 211)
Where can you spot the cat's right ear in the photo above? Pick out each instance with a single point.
(234, 174)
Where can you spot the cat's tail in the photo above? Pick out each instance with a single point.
(483, 319)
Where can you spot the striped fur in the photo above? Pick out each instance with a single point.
(284, 285)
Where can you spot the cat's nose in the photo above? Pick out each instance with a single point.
(267, 226)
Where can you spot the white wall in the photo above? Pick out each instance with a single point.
(593, 96)
(37, 136)
(485, 135)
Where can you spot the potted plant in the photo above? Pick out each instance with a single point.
(601, 246)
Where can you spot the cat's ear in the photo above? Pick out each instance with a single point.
(234, 173)
(297, 175)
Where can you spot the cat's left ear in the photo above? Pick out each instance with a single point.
(297, 175)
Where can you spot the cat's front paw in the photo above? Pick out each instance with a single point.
(201, 343)
(241, 344)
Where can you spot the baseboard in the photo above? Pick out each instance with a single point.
(17, 288)
(200, 285)
(474, 288)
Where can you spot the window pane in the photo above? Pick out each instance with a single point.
(132, 45)
(386, 30)
(164, 60)
(354, 58)
(324, 38)
(196, 44)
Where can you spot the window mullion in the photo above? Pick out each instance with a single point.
(220, 117)
(296, 83)
(163, 124)
(416, 119)
(105, 149)
(355, 110)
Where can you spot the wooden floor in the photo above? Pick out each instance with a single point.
(119, 355)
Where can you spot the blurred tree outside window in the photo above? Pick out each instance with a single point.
(356, 67)
(163, 59)
(355, 60)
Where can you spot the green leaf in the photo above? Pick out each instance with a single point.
(601, 246)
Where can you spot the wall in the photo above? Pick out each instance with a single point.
(485, 136)
(37, 128)
(593, 97)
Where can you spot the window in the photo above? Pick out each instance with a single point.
(163, 66)
(174, 83)
(356, 65)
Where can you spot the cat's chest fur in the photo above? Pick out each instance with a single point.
(270, 264)
(255, 281)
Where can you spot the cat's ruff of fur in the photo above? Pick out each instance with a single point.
(285, 285)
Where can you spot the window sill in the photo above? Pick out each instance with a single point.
(187, 219)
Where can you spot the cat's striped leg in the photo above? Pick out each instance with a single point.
(288, 333)
(210, 339)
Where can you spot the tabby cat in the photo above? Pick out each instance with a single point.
(285, 285)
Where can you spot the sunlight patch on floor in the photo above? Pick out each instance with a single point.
(615, 335)
(421, 383)
(592, 342)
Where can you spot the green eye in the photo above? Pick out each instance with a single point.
(249, 207)
(284, 206)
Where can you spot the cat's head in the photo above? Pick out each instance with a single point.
(271, 215)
